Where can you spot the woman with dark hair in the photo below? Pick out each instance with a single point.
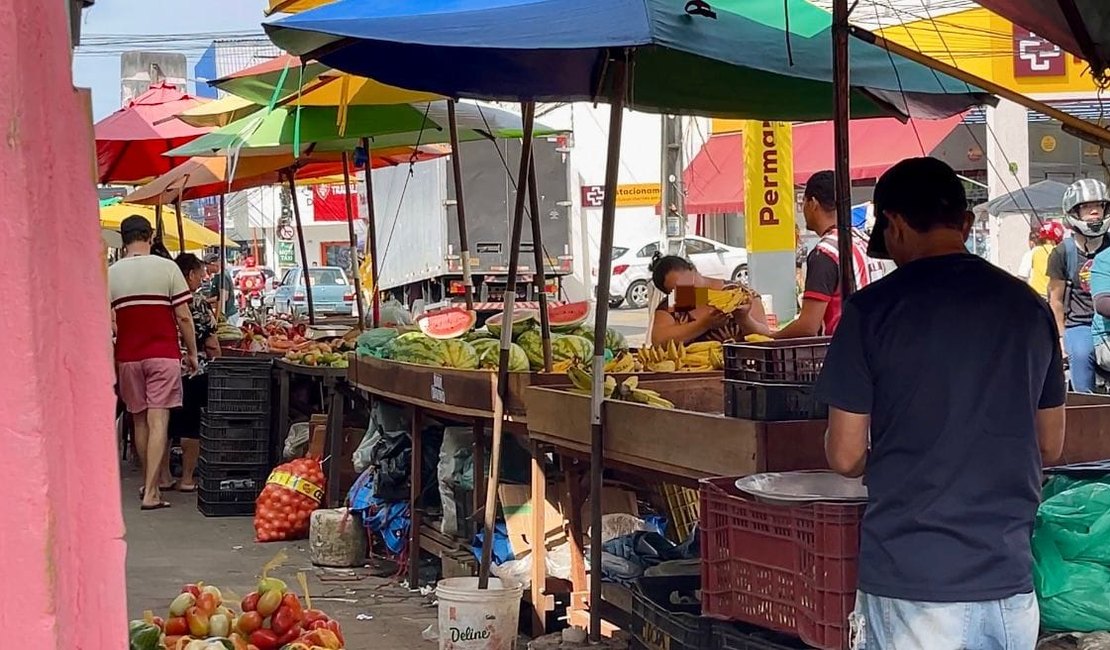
(702, 323)
(185, 421)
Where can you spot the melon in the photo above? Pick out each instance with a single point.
(523, 320)
(479, 335)
(489, 354)
(532, 344)
(446, 324)
(567, 318)
(415, 347)
(459, 354)
(567, 347)
(614, 341)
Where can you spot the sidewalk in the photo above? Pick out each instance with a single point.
(169, 548)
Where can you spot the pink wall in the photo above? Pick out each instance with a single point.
(61, 529)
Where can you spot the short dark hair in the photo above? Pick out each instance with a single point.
(661, 265)
(188, 263)
(822, 187)
(135, 229)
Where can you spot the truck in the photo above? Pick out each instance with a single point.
(418, 234)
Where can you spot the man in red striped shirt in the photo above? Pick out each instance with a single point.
(150, 307)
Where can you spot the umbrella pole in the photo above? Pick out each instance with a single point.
(529, 112)
(354, 240)
(180, 225)
(372, 237)
(223, 256)
(159, 224)
(540, 277)
(601, 324)
(300, 244)
(841, 117)
(460, 210)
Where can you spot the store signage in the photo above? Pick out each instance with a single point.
(329, 203)
(285, 254)
(1036, 57)
(769, 186)
(628, 196)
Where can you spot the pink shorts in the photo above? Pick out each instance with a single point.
(150, 384)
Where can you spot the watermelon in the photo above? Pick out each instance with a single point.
(489, 353)
(532, 344)
(459, 354)
(523, 320)
(482, 334)
(567, 318)
(566, 347)
(415, 347)
(447, 323)
(585, 331)
(614, 341)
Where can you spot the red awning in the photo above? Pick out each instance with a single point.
(715, 178)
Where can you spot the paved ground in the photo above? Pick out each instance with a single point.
(168, 548)
(631, 322)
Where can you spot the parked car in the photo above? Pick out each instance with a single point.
(332, 292)
(631, 281)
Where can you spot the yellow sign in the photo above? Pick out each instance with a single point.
(1048, 144)
(769, 186)
(637, 194)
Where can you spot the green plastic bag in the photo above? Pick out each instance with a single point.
(1071, 553)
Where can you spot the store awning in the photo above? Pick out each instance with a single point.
(715, 178)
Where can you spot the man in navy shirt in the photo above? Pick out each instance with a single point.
(945, 387)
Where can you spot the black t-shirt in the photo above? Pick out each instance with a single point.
(1079, 309)
(951, 357)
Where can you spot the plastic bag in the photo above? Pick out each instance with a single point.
(293, 491)
(1071, 552)
(296, 443)
(364, 455)
(455, 458)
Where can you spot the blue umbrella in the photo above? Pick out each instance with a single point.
(728, 58)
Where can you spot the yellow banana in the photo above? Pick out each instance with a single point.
(663, 366)
(632, 382)
(757, 338)
(580, 378)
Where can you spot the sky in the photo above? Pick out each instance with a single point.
(152, 18)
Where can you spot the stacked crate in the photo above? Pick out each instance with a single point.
(773, 381)
(234, 437)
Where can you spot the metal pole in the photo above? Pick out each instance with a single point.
(601, 323)
(529, 113)
(460, 210)
(540, 277)
(300, 242)
(354, 240)
(223, 259)
(372, 237)
(672, 198)
(159, 222)
(841, 117)
(180, 225)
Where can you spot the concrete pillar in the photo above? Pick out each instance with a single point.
(1007, 148)
(61, 528)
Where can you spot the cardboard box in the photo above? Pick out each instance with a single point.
(516, 504)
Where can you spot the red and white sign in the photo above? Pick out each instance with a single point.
(328, 203)
(1036, 57)
(593, 196)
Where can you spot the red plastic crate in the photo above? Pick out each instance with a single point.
(788, 569)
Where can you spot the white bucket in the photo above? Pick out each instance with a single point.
(477, 619)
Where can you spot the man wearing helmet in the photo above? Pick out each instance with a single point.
(1069, 272)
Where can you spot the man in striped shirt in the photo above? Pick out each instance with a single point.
(150, 307)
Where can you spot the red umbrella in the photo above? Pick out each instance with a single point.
(131, 141)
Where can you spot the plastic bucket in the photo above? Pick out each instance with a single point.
(477, 619)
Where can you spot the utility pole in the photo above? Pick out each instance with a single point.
(672, 197)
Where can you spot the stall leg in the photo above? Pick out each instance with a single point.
(414, 498)
(539, 543)
(282, 418)
(335, 442)
(480, 449)
(579, 585)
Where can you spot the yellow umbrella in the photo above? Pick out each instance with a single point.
(196, 235)
(293, 6)
(219, 112)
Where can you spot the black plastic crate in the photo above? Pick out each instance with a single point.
(217, 451)
(224, 491)
(238, 386)
(739, 636)
(796, 361)
(216, 505)
(772, 402)
(222, 427)
(655, 627)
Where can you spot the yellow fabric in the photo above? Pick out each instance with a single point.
(293, 6)
(196, 235)
(219, 112)
(334, 88)
(366, 275)
(1038, 277)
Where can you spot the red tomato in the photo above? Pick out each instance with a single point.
(191, 589)
(249, 622)
(265, 639)
(176, 626)
(291, 601)
(250, 602)
(312, 616)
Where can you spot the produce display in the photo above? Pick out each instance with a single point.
(627, 390)
(673, 357)
(565, 319)
(316, 354)
(447, 323)
(523, 320)
(270, 618)
(728, 300)
(284, 508)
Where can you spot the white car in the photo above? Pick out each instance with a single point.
(631, 279)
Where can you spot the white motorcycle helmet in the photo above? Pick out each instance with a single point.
(1083, 191)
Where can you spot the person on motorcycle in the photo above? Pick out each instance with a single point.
(1034, 265)
(251, 283)
(1069, 276)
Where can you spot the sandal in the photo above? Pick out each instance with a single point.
(187, 489)
(158, 506)
(172, 487)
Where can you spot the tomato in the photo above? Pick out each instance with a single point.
(191, 589)
(312, 616)
(159, 623)
(282, 620)
(294, 604)
(334, 627)
(176, 626)
(292, 635)
(207, 602)
(249, 622)
(265, 639)
(250, 603)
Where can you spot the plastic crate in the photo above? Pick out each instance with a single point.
(789, 569)
(738, 636)
(654, 627)
(228, 491)
(772, 403)
(238, 386)
(221, 427)
(797, 361)
(680, 504)
(218, 451)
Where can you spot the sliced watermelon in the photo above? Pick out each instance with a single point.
(523, 320)
(447, 323)
(565, 318)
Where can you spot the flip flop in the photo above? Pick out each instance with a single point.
(157, 506)
(172, 487)
(187, 490)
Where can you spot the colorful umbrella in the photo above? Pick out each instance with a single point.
(402, 125)
(196, 235)
(130, 143)
(292, 6)
(218, 112)
(760, 59)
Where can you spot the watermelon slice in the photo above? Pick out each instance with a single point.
(447, 323)
(523, 320)
(565, 318)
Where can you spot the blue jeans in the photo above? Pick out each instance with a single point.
(1080, 346)
(889, 624)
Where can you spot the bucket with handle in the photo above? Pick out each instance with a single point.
(477, 619)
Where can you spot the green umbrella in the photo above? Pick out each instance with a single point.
(317, 128)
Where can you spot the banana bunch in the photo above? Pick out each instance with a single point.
(727, 301)
(661, 358)
(627, 391)
(563, 366)
(673, 357)
(705, 355)
(622, 363)
(757, 338)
